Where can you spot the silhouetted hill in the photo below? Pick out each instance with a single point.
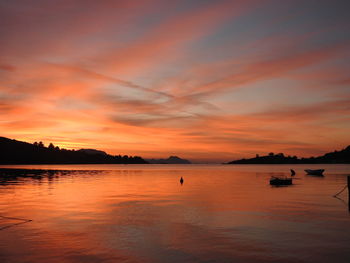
(170, 160)
(18, 152)
(342, 156)
(92, 151)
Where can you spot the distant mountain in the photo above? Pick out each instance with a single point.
(342, 156)
(170, 160)
(18, 152)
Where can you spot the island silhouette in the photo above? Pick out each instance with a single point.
(336, 157)
(18, 152)
(170, 160)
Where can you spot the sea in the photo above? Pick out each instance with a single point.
(142, 213)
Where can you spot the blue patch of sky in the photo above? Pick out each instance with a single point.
(332, 64)
(140, 26)
(274, 19)
(266, 94)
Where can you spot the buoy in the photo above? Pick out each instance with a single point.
(292, 172)
(181, 180)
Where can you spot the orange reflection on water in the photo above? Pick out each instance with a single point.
(143, 214)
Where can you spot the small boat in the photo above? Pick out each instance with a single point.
(280, 181)
(314, 172)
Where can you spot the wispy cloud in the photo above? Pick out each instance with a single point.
(194, 78)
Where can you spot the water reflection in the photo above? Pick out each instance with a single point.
(119, 216)
(15, 221)
(13, 175)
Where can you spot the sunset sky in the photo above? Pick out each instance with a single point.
(204, 80)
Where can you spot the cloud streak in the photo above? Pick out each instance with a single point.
(227, 78)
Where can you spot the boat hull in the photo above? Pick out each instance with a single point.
(314, 172)
(281, 181)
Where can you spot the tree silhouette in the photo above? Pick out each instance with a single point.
(17, 152)
(342, 156)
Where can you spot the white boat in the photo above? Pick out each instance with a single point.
(314, 172)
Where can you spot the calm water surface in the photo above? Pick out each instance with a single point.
(141, 213)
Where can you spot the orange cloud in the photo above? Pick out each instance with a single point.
(267, 69)
(201, 80)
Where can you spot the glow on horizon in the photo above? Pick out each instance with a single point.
(204, 80)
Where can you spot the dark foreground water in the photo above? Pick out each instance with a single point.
(141, 213)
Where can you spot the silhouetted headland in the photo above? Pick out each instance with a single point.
(170, 160)
(336, 157)
(18, 152)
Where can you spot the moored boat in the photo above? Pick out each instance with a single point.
(280, 181)
(314, 172)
